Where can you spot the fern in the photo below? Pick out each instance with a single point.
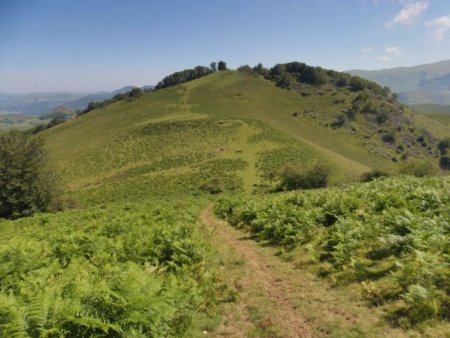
(12, 318)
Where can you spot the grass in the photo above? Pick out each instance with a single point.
(431, 108)
(443, 118)
(173, 132)
(307, 117)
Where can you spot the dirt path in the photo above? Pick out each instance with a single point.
(284, 319)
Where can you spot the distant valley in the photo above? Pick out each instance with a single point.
(24, 111)
(41, 103)
(422, 84)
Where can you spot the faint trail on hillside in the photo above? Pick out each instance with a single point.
(260, 273)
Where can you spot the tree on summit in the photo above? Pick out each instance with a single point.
(222, 66)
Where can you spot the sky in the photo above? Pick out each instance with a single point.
(85, 46)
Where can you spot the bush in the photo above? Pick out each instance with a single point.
(444, 162)
(214, 185)
(389, 138)
(294, 178)
(444, 145)
(418, 168)
(372, 175)
(26, 183)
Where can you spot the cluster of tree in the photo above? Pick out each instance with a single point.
(129, 95)
(298, 177)
(27, 185)
(53, 122)
(190, 74)
(294, 74)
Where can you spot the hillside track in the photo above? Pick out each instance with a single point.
(276, 288)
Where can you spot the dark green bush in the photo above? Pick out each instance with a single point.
(444, 145)
(418, 168)
(214, 185)
(26, 183)
(374, 174)
(444, 162)
(294, 178)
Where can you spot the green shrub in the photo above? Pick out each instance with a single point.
(418, 168)
(444, 145)
(389, 138)
(26, 183)
(214, 185)
(294, 178)
(444, 162)
(372, 175)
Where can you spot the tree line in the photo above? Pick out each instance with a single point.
(190, 74)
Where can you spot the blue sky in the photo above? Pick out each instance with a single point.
(93, 45)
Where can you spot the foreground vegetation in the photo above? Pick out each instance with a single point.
(124, 271)
(392, 236)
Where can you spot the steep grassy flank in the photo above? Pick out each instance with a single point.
(158, 145)
(222, 132)
(314, 117)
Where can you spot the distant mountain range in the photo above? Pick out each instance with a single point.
(42, 103)
(422, 84)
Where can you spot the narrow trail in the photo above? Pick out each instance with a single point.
(276, 289)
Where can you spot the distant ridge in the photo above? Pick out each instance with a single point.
(425, 83)
(43, 103)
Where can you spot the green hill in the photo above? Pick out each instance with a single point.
(231, 128)
(142, 254)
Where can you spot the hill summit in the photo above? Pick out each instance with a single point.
(232, 129)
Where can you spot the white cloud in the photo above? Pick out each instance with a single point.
(393, 50)
(367, 49)
(440, 26)
(409, 14)
(384, 58)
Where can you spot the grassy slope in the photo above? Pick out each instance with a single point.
(227, 124)
(442, 118)
(157, 144)
(435, 112)
(431, 108)
(238, 94)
